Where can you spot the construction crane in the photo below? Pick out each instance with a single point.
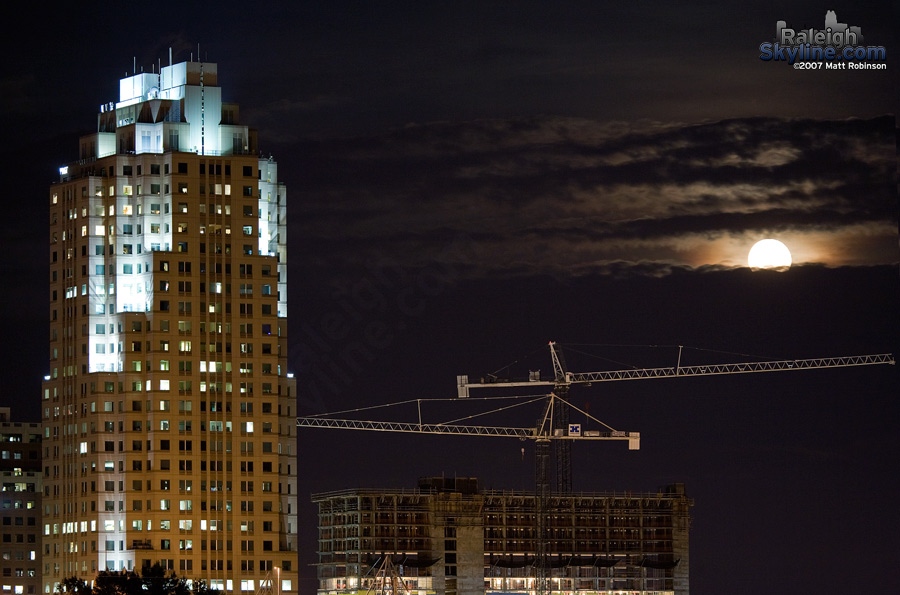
(546, 429)
(554, 423)
(563, 379)
(542, 433)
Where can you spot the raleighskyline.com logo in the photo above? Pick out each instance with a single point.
(838, 46)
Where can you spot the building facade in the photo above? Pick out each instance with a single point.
(20, 506)
(167, 408)
(449, 537)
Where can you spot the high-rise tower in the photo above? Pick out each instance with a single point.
(168, 410)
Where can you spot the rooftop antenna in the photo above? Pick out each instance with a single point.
(134, 66)
(170, 55)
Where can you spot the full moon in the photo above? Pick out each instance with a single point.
(769, 254)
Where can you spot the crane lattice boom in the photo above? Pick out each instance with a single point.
(740, 368)
(465, 430)
(564, 378)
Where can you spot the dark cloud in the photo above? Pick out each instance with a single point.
(565, 196)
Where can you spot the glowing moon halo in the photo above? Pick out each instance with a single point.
(769, 254)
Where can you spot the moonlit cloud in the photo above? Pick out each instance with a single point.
(571, 196)
(564, 196)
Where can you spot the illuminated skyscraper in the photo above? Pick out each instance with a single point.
(168, 411)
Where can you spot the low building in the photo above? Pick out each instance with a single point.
(448, 536)
(20, 506)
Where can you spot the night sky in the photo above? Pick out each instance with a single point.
(469, 181)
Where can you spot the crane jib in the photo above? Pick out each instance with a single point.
(735, 368)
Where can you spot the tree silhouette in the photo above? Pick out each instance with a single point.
(157, 582)
(74, 586)
(153, 580)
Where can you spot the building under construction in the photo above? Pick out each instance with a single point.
(449, 537)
